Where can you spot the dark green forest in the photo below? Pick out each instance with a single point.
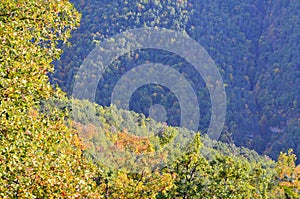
(255, 45)
(53, 145)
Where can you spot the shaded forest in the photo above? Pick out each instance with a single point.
(255, 44)
(55, 146)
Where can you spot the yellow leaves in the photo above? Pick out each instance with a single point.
(40, 156)
(288, 174)
(143, 185)
(77, 142)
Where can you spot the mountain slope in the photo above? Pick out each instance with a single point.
(255, 45)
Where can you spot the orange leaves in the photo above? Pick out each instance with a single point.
(133, 143)
(85, 134)
(297, 172)
(32, 112)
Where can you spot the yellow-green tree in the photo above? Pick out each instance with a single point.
(39, 155)
(288, 176)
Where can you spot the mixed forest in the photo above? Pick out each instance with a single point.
(255, 44)
(55, 146)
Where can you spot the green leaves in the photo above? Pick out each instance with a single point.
(39, 154)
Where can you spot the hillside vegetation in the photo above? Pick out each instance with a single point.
(255, 44)
(54, 146)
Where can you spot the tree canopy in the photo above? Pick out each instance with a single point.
(46, 152)
(39, 155)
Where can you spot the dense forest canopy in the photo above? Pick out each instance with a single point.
(55, 146)
(255, 44)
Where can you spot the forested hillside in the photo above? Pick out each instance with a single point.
(55, 146)
(129, 148)
(255, 44)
